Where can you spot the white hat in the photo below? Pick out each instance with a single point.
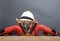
(27, 15)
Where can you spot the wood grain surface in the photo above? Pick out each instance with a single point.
(29, 38)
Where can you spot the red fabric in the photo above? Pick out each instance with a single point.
(12, 28)
(46, 30)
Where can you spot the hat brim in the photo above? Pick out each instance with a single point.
(25, 20)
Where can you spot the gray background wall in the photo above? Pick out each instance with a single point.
(47, 12)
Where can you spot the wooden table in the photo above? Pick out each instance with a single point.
(29, 38)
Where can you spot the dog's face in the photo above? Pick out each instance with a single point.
(27, 24)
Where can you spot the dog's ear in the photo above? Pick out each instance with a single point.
(17, 20)
(35, 21)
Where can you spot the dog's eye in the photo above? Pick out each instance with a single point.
(23, 23)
